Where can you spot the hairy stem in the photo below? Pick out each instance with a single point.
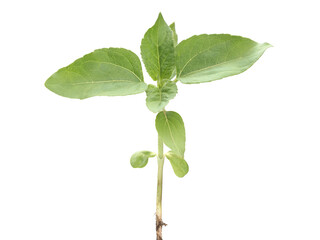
(159, 222)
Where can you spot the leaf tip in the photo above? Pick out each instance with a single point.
(46, 83)
(160, 18)
(268, 45)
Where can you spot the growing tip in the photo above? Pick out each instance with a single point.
(268, 45)
(160, 17)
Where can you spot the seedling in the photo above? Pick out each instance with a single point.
(118, 72)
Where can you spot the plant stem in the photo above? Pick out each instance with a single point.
(159, 222)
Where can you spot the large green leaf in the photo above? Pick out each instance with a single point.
(206, 58)
(140, 159)
(179, 165)
(158, 98)
(104, 72)
(157, 50)
(170, 128)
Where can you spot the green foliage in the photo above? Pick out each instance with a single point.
(104, 72)
(206, 58)
(179, 165)
(157, 50)
(118, 72)
(140, 159)
(159, 97)
(170, 128)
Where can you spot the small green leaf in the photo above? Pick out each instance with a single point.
(206, 58)
(175, 39)
(104, 72)
(140, 159)
(179, 165)
(157, 50)
(158, 98)
(175, 36)
(170, 128)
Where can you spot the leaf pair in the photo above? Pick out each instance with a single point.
(171, 130)
(140, 160)
(118, 72)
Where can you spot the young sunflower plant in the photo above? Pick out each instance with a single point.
(118, 72)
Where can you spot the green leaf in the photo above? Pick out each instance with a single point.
(179, 165)
(175, 39)
(157, 50)
(175, 36)
(170, 128)
(158, 98)
(206, 58)
(104, 72)
(140, 159)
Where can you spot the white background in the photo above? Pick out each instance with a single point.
(252, 139)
